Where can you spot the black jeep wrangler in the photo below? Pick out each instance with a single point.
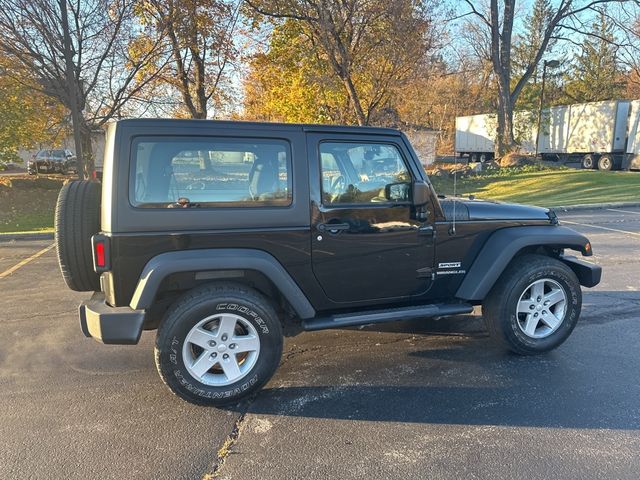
(221, 234)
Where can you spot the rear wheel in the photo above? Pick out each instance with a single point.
(218, 344)
(588, 162)
(605, 163)
(534, 306)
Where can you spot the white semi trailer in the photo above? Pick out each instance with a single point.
(605, 135)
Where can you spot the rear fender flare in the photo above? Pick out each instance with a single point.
(165, 264)
(503, 245)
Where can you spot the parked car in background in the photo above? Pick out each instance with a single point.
(7, 165)
(52, 161)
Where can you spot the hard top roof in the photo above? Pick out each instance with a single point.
(178, 122)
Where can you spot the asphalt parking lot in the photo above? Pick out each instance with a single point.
(423, 399)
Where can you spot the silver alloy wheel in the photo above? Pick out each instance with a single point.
(221, 349)
(541, 308)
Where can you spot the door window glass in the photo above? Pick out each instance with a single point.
(360, 173)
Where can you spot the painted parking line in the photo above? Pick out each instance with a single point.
(22, 263)
(622, 211)
(635, 234)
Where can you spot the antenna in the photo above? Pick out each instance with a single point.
(452, 230)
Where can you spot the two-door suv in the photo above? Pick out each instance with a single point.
(220, 234)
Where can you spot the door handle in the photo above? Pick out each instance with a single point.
(426, 230)
(333, 227)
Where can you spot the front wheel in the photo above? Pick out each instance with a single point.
(534, 306)
(218, 344)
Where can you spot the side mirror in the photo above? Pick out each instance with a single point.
(421, 194)
(397, 192)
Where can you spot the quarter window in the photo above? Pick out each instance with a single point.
(196, 172)
(362, 173)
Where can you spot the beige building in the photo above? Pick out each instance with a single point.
(424, 143)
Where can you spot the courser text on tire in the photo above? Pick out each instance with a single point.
(218, 344)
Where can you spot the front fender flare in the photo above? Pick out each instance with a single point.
(504, 244)
(165, 264)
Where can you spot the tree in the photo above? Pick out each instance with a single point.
(26, 119)
(498, 22)
(525, 48)
(596, 74)
(369, 46)
(197, 36)
(81, 53)
(286, 84)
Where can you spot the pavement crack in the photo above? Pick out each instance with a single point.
(225, 450)
(39, 315)
(294, 352)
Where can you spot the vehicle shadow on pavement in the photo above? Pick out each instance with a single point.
(498, 406)
(602, 306)
(459, 376)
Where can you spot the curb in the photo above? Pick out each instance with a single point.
(9, 237)
(595, 206)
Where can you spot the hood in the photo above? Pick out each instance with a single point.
(490, 210)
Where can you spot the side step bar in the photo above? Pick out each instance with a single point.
(386, 315)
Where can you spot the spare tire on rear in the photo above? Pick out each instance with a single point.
(77, 219)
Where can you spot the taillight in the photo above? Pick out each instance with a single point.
(100, 261)
(100, 244)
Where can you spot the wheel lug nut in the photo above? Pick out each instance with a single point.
(532, 307)
(544, 312)
(232, 346)
(225, 356)
(212, 343)
(224, 338)
(535, 314)
(214, 355)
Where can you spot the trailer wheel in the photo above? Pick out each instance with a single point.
(588, 162)
(605, 163)
(484, 157)
(473, 158)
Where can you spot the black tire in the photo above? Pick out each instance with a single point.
(77, 219)
(199, 304)
(588, 162)
(484, 157)
(473, 158)
(499, 308)
(605, 163)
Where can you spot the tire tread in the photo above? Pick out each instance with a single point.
(192, 299)
(493, 307)
(77, 218)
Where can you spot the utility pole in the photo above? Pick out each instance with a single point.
(550, 64)
(72, 88)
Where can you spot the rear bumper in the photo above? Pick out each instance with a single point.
(588, 274)
(111, 325)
